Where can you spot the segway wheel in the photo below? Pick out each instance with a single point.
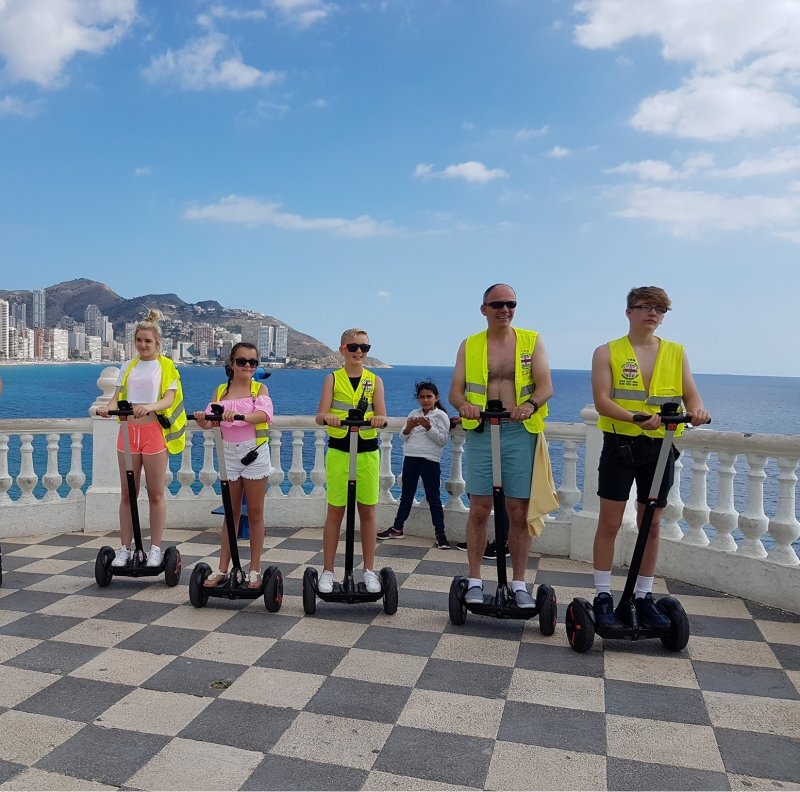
(580, 627)
(548, 609)
(102, 566)
(273, 589)
(310, 591)
(676, 638)
(198, 595)
(390, 596)
(172, 566)
(458, 610)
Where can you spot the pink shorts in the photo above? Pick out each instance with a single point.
(145, 438)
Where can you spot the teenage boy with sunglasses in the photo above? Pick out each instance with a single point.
(509, 364)
(635, 375)
(351, 386)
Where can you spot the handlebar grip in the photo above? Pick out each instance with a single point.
(214, 417)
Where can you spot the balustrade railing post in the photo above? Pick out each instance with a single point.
(5, 479)
(674, 508)
(568, 493)
(186, 475)
(695, 510)
(52, 479)
(27, 478)
(455, 486)
(723, 516)
(753, 521)
(276, 479)
(76, 478)
(297, 473)
(784, 527)
(208, 473)
(386, 475)
(318, 473)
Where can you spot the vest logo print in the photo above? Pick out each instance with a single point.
(525, 359)
(630, 370)
(367, 386)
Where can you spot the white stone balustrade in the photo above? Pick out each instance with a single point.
(737, 484)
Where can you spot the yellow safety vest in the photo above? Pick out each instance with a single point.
(627, 387)
(262, 429)
(175, 432)
(345, 398)
(477, 376)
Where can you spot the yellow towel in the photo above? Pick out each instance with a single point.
(544, 498)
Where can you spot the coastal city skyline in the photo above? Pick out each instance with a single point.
(379, 164)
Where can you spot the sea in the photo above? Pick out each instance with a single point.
(747, 404)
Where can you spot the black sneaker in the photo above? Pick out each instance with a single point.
(442, 543)
(603, 607)
(649, 614)
(491, 551)
(391, 533)
(462, 546)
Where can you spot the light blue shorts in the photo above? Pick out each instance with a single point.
(517, 446)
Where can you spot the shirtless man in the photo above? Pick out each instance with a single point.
(509, 364)
(635, 375)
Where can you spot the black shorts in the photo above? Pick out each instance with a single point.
(625, 459)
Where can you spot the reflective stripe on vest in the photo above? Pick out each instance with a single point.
(345, 398)
(175, 432)
(476, 374)
(627, 385)
(262, 429)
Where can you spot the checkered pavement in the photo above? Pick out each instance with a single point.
(130, 687)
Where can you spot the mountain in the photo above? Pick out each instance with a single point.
(70, 298)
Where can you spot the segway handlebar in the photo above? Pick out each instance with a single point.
(124, 409)
(669, 415)
(356, 418)
(216, 415)
(494, 411)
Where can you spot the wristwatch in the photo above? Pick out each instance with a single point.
(535, 405)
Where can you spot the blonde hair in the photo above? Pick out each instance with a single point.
(649, 295)
(150, 322)
(352, 333)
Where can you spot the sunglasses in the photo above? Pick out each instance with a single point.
(355, 347)
(498, 304)
(242, 362)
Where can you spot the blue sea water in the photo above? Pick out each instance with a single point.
(738, 403)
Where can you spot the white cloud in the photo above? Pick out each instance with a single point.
(303, 13)
(467, 126)
(247, 211)
(472, 171)
(13, 105)
(220, 11)
(687, 213)
(744, 62)
(648, 170)
(144, 170)
(384, 294)
(208, 62)
(529, 134)
(558, 152)
(777, 162)
(39, 37)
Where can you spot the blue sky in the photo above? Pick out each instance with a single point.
(377, 164)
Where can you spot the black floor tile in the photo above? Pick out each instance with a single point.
(635, 700)
(283, 772)
(719, 627)
(560, 660)
(352, 698)
(745, 680)
(392, 639)
(303, 657)
(759, 755)
(39, 625)
(55, 657)
(195, 677)
(470, 679)
(75, 699)
(624, 774)
(156, 639)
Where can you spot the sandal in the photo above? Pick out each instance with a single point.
(215, 579)
(253, 578)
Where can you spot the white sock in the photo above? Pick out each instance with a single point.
(602, 581)
(475, 582)
(644, 585)
(518, 585)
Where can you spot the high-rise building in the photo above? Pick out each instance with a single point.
(91, 318)
(130, 343)
(106, 330)
(39, 308)
(4, 328)
(19, 313)
(281, 343)
(56, 344)
(94, 347)
(266, 340)
(203, 338)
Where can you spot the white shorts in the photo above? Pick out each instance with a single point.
(259, 468)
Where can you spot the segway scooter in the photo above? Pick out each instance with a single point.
(235, 586)
(502, 605)
(348, 590)
(137, 564)
(580, 624)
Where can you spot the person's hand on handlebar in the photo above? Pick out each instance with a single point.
(700, 417)
(229, 415)
(200, 418)
(521, 412)
(103, 411)
(140, 410)
(378, 421)
(470, 411)
(653, 422)
(329, 419)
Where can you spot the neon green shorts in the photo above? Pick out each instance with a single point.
(337, 470)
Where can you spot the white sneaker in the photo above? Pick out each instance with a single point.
(325, 582)
(154, 557)
(371, 581)
(122, 557)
